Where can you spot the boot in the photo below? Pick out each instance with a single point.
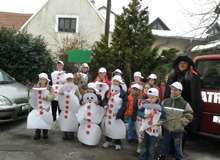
(37, 134)
(71, 136)
(45, 133)
(65, 135)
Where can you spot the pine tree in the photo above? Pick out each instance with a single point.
(132, 41)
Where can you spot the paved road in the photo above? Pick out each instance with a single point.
(16, 143)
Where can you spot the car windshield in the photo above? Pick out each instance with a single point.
(4, 78)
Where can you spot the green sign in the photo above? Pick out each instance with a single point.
(79, 56)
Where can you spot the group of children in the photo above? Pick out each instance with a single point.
(142, 104)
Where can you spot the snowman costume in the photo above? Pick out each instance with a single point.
(113, 126)
(69, 105)
(89, 116)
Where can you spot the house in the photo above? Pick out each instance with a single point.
(13, 20)
(59, 22)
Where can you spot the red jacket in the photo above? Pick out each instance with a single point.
(131, 101)
(105, 81)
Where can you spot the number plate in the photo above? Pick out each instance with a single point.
(23, 108)
(216, 119)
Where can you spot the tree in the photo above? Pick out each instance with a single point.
(24, 56)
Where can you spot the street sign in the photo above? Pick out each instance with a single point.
(79, 56)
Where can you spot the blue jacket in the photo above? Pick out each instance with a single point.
(163, 116)
(123, 95)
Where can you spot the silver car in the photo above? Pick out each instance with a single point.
(13, 99)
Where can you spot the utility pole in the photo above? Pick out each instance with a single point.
(107, 20)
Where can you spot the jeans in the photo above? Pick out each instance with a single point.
(177, 138)
(148, 147)
(131, 128)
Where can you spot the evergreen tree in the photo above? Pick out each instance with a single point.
(24, 56)
(132, 41)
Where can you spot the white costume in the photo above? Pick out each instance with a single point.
(112, 127)
(148, 124)
(58, 79)
(89, 116)
(69, 105)
(39, 118)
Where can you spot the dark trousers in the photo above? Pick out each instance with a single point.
(116, 141)
(55, 105)
(38, 131)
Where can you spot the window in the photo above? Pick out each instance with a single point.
(66, 23)
(209, 71)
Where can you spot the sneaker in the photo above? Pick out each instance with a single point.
(107, 144)
(37, 136)
(118, 147)
(161, 157)
(138, 150)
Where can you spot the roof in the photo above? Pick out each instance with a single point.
(13, 20)
(211, 45)
(160, 22)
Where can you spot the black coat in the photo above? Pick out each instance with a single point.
(191, 93)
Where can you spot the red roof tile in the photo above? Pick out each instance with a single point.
(13, 20)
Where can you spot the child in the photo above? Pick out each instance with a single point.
(179, 114)
(135, 94)
(92, 89)
(138, 103)
(118, 72)
(115, 103)
(69, 79)
(152, 79)
(149, 143)
(102, 77)
(137, 79)
(44, 83)
(163, 87)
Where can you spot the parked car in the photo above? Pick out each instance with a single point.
(208, 68)
(13, 99)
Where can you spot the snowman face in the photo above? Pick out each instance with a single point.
(89, 98)
(115, 88)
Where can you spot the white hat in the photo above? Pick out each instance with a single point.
(138, 74)
(178, 85)
(85, 65)
(69, 75)
(60, 62)
(136, 86)
(152, 76)
(93, 86)
(102, 70)
(118, 78)
(153, 92)
(43, 75)
(118, 70)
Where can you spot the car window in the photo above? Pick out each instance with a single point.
(209, 71)
(4, 78)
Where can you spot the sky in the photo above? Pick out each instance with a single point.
(174, 13)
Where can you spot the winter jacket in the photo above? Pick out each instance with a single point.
(163, 116)
(177, 107)
(191, 93)
(105, 80)
(131, 101)
(124, 97)
(140, 101)
(132, 83)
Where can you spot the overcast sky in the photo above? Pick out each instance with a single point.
(174, 13)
